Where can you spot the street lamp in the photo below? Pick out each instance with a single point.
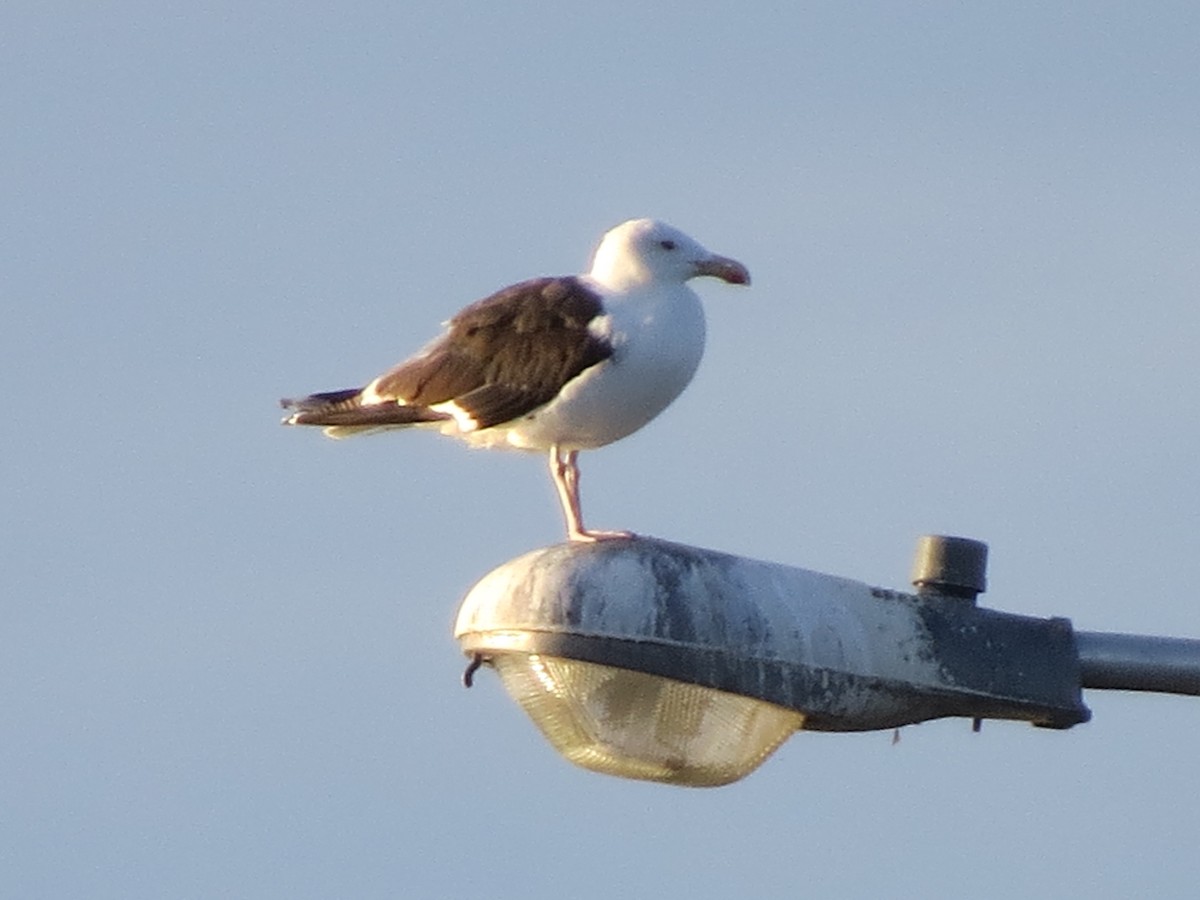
(652, 660)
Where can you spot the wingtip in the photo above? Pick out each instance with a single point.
(288, 403)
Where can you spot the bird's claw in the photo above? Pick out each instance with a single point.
(588, 536)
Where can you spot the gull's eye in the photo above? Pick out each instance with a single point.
(667, 245)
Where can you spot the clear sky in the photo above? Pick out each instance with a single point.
(226, 650)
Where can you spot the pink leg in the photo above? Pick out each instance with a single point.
(564, 469)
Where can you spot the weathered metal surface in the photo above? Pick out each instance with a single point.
(851, 657)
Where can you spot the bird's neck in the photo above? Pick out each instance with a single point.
(628, 280)
(620, 274)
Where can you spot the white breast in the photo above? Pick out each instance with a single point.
(658, 339)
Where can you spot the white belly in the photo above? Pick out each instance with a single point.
(658, 341)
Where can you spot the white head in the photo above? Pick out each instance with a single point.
(647, 251)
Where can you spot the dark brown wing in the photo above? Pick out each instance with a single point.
(344, 409)
(506, 355)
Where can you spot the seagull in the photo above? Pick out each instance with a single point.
(556, 365)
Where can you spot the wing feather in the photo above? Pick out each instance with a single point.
(506, 355)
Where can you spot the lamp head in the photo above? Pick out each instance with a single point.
(653, 660)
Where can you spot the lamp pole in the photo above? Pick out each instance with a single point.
(1136, 662)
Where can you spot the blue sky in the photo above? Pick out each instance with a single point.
(226, 650)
